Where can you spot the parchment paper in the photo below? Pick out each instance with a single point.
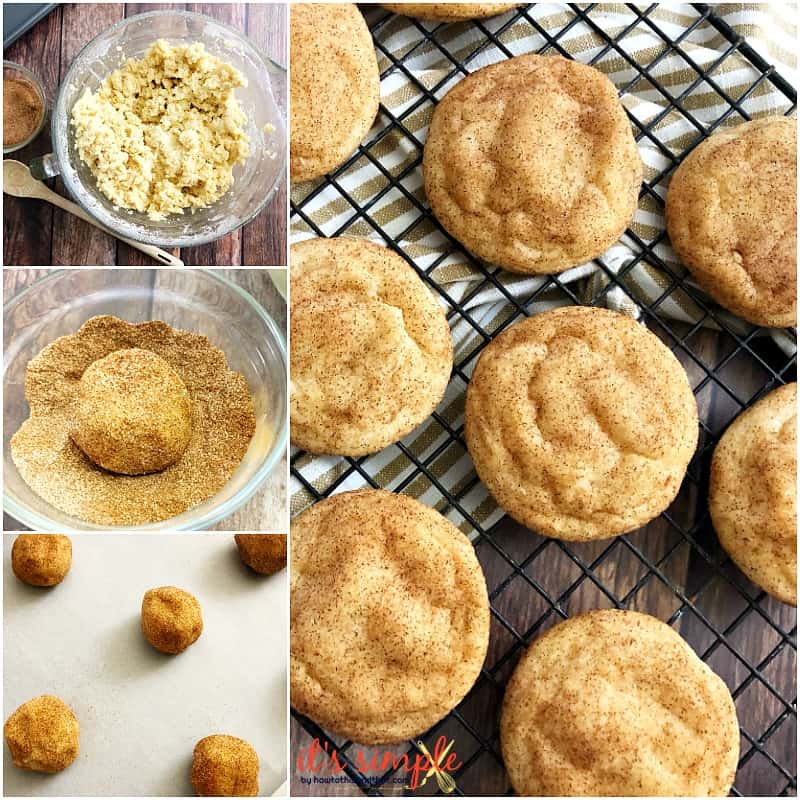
(142, 712)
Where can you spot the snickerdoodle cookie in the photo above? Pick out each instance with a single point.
(224, 766)
(449, 11)
(41, 559)
(171, 619)
(133, 413)
(581, 423)
(389, 616)
(335, 86)
(615, 703)
(531, 164)
(262, 552)
(43, 735)
(732, 219)
(371, 352)
(752, 493)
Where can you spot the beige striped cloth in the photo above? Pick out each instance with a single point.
(770, 29)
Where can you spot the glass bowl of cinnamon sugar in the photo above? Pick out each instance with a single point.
(196, 301)
(24, 107)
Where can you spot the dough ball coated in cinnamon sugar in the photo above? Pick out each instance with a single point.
(43, 735)
(41, 559)
(171, 619)
(262, 552)
(224, 766)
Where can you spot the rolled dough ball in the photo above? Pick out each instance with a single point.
(262, 552)
(133, 413)
(171, 619)
(41, 559)
(224, 766)
(43, 735)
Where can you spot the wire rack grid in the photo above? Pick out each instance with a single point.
(673, 568)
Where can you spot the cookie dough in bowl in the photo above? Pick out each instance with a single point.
(581, 423)
(162, 134)
(616, 703)
(87, 448)
(167, 128)
(531, 164)
(389, 616)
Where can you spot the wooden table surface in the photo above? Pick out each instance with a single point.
(267, 510)
(37, 234)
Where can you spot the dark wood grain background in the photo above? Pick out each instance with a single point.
(37, 234)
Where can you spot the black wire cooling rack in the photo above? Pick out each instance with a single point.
(674, 567)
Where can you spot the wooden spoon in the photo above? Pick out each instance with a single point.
(18, 181)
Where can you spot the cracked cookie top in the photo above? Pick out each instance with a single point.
(371, 351)
(581, 423)
(389, 616)
(335, 86)
(531, 164)
(752, 494)
(616, 703)
(732, 219)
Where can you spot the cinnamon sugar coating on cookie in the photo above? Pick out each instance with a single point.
(616, 703)
(732, 219)
(752, 494)
(335, 85)
(43, 735)
(389, 616)
(581, 423)
(371, 351)
(449, 11)
(531, 164)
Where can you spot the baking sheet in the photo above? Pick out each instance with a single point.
(141, 712)
(20, 17)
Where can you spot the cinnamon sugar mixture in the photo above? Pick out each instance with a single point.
(223, 423)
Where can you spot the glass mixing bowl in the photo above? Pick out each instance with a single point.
(195, 300)
(255, 182)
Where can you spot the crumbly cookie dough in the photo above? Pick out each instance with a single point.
(171, 619)
(732, 219)
(389, 615)
(616, 704)
(531, 164)
(752, 493)
(43, 735)
(163, 132)
(262, 552)
(581, 423)
(41, 559)
(133, 414)
(224, 766)
(49, 461)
